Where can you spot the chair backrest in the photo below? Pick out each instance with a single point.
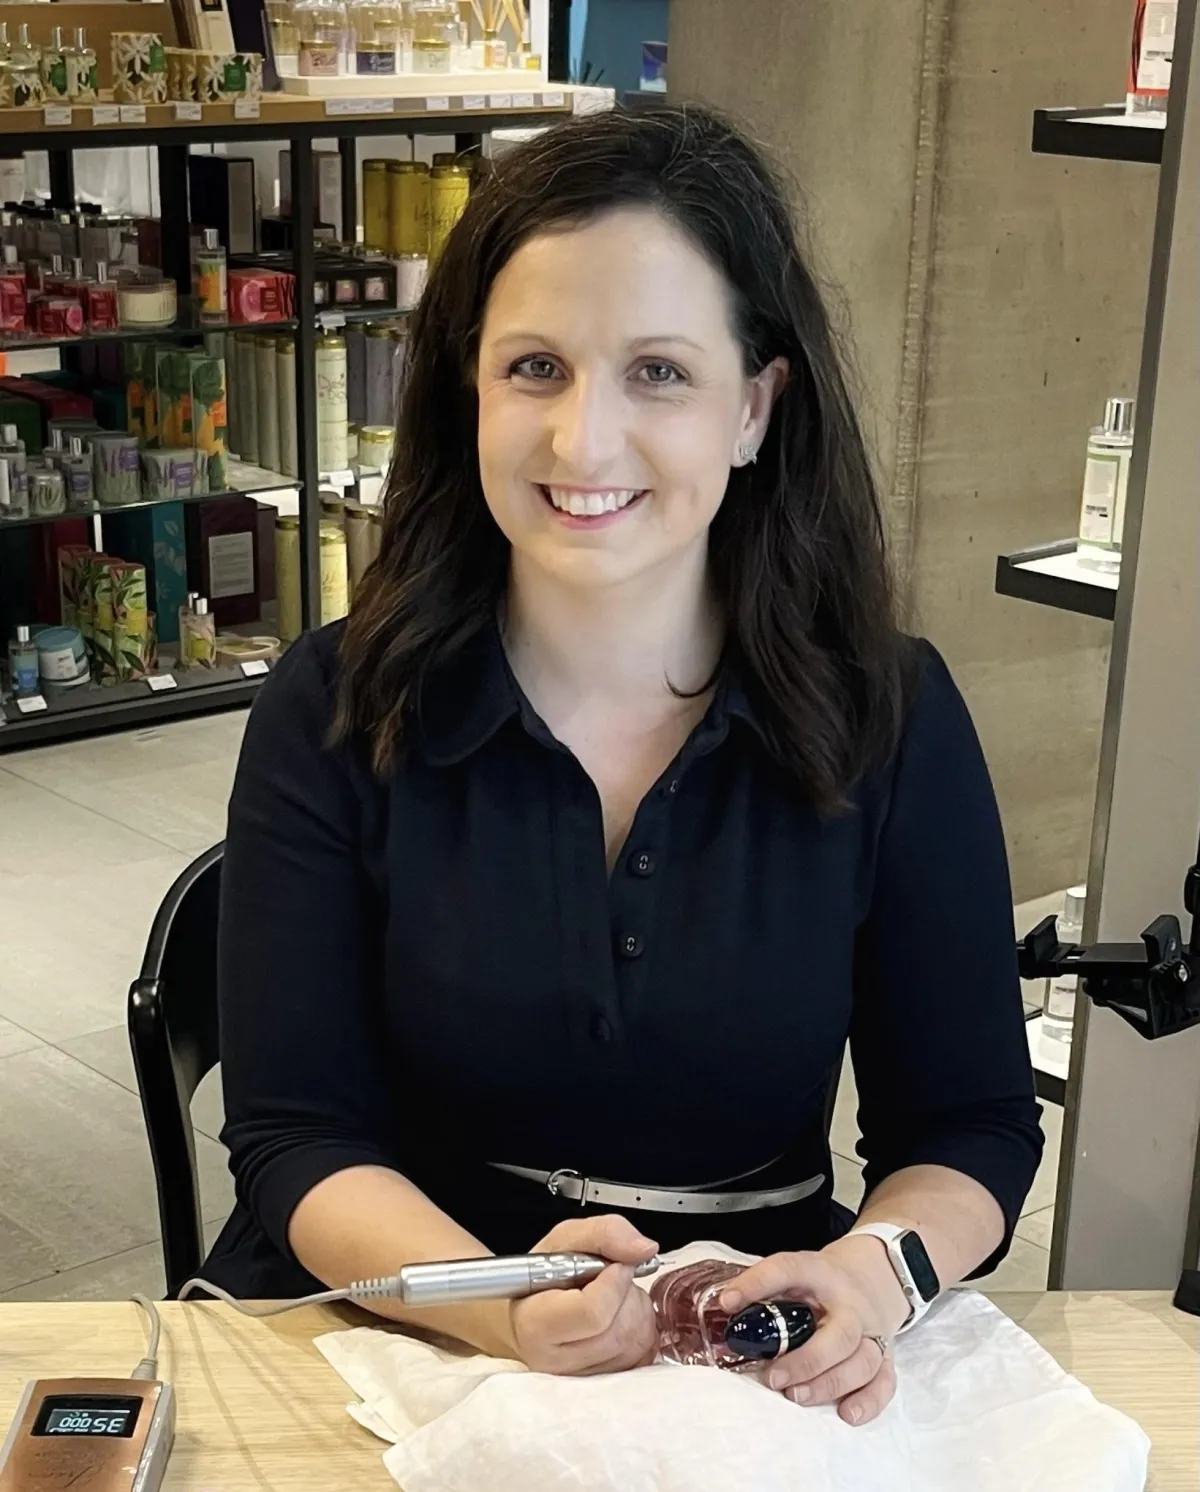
(173, 1030)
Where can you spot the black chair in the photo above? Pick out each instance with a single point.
(172, 1017)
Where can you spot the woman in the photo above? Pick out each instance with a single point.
(558, 876)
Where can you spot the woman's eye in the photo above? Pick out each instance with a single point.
(661, 374)
(539, 369)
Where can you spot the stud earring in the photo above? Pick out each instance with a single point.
(747, 455)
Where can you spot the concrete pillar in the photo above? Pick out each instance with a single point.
(995, 299)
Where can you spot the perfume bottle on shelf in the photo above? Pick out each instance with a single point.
(25, 70)
(54, 67)
(1106, 478)
(23, 664)
(1058, 1005)
(83, 76)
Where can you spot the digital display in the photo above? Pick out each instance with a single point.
(75, 1414)
(923, 1273)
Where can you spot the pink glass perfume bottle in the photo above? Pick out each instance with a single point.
(694, 1329)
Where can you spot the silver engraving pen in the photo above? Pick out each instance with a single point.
(509, 1278)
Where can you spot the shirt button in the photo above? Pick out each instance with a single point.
(601, 1030)
(642, 864)
(673, 786)
(632, 946)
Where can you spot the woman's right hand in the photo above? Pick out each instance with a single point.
(607, 1326)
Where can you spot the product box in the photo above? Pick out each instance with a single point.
(173, 380)
(209, 415)
(261, 295)
(51, 402)
(327, 189)
(45, 540)
(101, 592)
(141, 395)
(223, 561)
(223, 196)
(155, 538)
(73, 562)
(133, 642)
(26, 416)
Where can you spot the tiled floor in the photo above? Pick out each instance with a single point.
(91, 835)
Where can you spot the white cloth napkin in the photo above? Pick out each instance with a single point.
(980, 1408)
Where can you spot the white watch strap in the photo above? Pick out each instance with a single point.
(889, 1234)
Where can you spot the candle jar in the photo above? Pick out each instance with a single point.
(435, 35)
(321, 32)
(375, 37)
(284, 35)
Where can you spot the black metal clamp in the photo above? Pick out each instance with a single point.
(1154, 986)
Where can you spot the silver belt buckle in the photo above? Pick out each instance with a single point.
(553, 1182)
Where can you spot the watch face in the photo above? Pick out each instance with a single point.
(919, 1265)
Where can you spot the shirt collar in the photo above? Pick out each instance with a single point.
(467, 701)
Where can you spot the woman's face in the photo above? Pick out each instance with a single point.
(612, 399)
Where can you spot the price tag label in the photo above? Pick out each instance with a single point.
(255, 667)
(524, 101)
(157, 682)
(245, 108)
(500, 101)
(32, 704)
(436, 102)
(189, 112)
(475, 101)
(553, 100)
(133, 113)
(57, 115)
(106, 114)
(359, 106)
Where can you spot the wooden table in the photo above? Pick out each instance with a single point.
(259, 1408)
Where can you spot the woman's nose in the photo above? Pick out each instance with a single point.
(589, 427)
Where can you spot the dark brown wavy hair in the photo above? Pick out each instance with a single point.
(796, 549)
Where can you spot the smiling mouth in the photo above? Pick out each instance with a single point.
(596, 504)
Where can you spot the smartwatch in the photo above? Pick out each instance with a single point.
(913, 1267)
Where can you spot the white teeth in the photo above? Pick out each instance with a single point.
(591, 504)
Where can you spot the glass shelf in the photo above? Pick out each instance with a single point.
(246, 480)
(184, 326)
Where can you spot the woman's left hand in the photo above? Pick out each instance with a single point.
(855, 1297)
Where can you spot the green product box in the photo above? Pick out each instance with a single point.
(140, 392)
(26, 416)
(133, 648)
(209, 416)
(154, 537)
(102, 592)
(173, 380)
(73, 563)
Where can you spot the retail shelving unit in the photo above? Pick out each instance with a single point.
(1107, 134)
(1049, 574)
(1052, 575)
(295, 122)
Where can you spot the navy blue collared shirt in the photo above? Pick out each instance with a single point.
(437, 970)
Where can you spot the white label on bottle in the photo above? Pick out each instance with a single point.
(31, 704)
(524, 101)
(57, 115)
(1158, 46)
(1060, 997)
(500, 101)
(1100, 482)
(254, 667)
(246, 108)
(553, 100)
(359, 106)
(106, 114)
(189, 112)
(230, 565)
(475, 101)
(436, 102)
(157, 682)
(133, 113)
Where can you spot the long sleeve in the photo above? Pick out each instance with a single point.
(305, 1088)
(937, 1034)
